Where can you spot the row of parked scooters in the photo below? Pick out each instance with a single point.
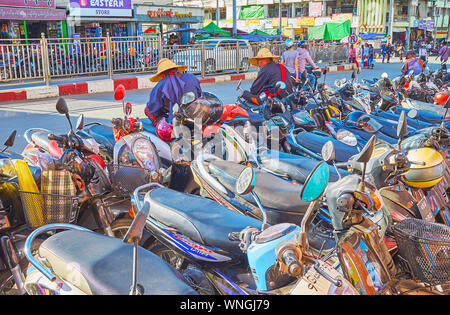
(331, 190)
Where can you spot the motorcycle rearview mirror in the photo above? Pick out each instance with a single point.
(354, 74)
(402, 127)
(187, 98)
(364, 157)
(119, 92)
(346, 137)
(245, 184)
(311, 191)
(10, 140)
(80, 122)
(134, 235)
(128, 109)
(328, 152)
(238, 86)
(413, 114)
(62, 108)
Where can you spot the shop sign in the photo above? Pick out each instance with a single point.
(24, 14)
(430, 25)
(315, 9)
(340, 17)
(251, 21)
(305, 21)
(321, 20)
(48, 4)
(101, 8)
(422, 25)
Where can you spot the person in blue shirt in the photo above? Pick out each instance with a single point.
(172, 84)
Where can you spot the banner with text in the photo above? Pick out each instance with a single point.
(101, 8)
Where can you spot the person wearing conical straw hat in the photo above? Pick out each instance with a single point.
(173, 82)
(269, 74)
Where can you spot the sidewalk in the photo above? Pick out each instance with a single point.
(136, 82)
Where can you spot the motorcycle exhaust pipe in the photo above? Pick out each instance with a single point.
(12, 262)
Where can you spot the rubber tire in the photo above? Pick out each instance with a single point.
(121, 223)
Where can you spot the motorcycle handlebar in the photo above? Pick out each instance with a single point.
(56, 138)
(116, 121)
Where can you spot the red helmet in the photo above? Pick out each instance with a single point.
(164, 130)
(441, 98)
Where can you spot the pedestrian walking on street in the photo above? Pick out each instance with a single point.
(444, 52)
(352, 54)
(365, 56)
(389, 49)
(423, 52)
(371, 56)
(401, 51)
(383, 51)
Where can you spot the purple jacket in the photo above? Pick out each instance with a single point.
(444, 52)
(304, 58)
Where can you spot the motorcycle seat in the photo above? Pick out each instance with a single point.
(103, 135)
(201, 220)
(315, 142)
(273, 191)
(103, 265)
(295, 166)
(254, 118)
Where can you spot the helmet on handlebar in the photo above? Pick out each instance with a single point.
(208, 108)
(164, 130)
(441, 98)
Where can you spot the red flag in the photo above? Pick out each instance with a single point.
(365, 27)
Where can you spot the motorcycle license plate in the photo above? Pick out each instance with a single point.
(425, 210)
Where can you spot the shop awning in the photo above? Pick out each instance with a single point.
(180, 29)
(213, 29)
(329, 31)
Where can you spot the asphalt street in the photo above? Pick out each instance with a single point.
(102, 107)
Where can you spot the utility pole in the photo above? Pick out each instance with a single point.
(217, 12)
(391, 20)
(279, 22)
(234, 19)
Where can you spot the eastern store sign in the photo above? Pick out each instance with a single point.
(47, 4)
(100, 8)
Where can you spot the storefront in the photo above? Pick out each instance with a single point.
(29, 19)
(154, 20)
(98, 18)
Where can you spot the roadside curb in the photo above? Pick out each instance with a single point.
(109, 85)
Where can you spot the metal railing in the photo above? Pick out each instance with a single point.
(23, 61)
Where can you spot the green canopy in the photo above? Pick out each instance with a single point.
(258, 32)
(252, 12)
(329, 31)
(212, 27)
(273, 31)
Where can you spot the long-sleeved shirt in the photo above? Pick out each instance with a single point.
(304, 57)
(267, 78)
(169, 91)
(444, 52)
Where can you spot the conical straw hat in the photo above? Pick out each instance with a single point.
(164, 65)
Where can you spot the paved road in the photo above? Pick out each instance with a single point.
(102, 107)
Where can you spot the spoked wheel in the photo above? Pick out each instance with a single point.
(121, 226)
(193, 276)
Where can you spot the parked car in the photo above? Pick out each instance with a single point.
(220, 54)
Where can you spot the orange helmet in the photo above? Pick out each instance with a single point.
(441, 98)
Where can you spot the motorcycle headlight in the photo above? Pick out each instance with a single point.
(145, 153)
(7, 168)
